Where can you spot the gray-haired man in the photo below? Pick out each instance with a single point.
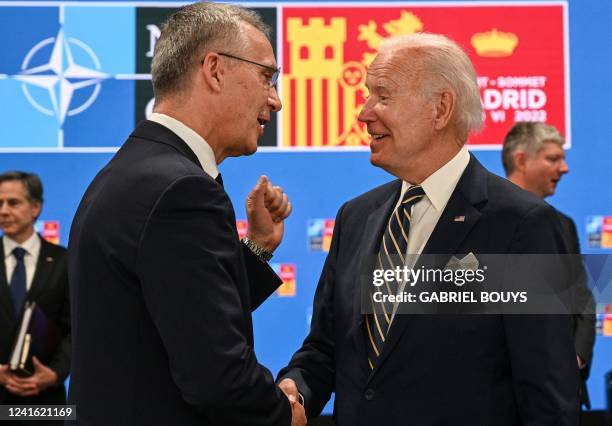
(534, 159)
(163, 288)
(426, 370)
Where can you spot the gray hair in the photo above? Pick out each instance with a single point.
(528, 137)
(31, 182)
(445, 63)
(190, 33)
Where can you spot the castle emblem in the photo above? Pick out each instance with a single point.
(324, 91)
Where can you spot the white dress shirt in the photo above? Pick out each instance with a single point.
(438, 188)
(195, 142)
(32, 248)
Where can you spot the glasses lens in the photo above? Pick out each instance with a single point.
(274, 78)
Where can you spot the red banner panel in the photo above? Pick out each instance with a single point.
(519, 52)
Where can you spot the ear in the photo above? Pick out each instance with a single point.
(212, 71)
(444, 107)
(520, 161)
(37, 209)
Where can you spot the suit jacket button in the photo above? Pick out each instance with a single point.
(369, 394)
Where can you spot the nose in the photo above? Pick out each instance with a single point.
(366, 115)
(563, 168)
(274, 101)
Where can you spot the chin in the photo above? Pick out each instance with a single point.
(377, 160)
(251, 149)
(374, 159)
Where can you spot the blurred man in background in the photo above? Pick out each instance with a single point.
(534, 159)
(35, 270)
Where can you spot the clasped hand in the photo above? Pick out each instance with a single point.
(42, 378)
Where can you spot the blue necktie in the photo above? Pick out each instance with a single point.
(18, 281)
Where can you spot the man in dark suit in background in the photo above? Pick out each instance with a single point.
(534, 159)
(430, 370)
(32, 269)
(163, 288)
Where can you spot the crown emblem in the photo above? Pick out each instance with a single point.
(494, 43)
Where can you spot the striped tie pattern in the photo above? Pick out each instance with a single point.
(393, 248)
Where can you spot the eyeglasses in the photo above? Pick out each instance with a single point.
(275, 71)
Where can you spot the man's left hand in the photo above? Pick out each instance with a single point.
(267, 208)
(42, 378)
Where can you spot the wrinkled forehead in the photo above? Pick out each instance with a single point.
(394, 68)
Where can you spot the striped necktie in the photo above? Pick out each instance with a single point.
(393, 247)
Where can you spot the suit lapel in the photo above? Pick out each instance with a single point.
(44, 265)
(6, 303)
(454, 224)
(448, 234)
(156, 132)
(369, 246)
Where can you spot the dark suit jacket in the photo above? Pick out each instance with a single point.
(584, 324)
(162, 294)
(440, 369)
(50, 292)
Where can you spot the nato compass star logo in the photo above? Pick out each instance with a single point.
(61, 76)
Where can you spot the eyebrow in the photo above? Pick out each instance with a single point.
(378, 86)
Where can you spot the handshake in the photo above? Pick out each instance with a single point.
(298, 415)
(267, 207)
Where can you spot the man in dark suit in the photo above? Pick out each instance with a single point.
(35, 270)
(163, 288)
(429, 369)
(534, 159)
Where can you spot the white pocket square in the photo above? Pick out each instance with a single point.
(468, 262)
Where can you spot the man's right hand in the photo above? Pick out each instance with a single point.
(298, 415)
(11, 384)
(4, 374)
(290, 389)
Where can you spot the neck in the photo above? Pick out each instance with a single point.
(430, 161)
(183, 111)
(519, 180)
(22, 237)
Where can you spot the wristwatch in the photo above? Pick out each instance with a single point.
(257, 250)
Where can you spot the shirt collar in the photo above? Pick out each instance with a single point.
(195, 142)
(440, 185)
(31, 245)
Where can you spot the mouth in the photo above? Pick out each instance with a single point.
(378, 136)
(263, 121)
(377, 140)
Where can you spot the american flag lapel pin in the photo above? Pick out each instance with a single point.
(459, 219)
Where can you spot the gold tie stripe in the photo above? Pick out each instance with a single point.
(394, 243)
